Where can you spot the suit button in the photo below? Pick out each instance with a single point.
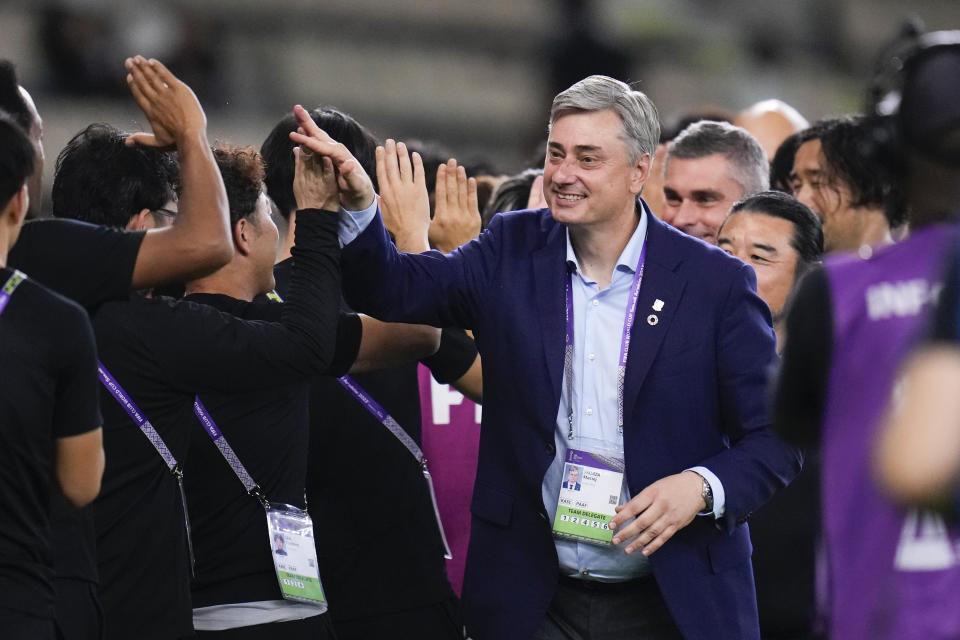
(551, 450)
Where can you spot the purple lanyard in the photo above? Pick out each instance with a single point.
(125, 401)
(394, 427)
(624, 342)
(9, 287)
(206, 420)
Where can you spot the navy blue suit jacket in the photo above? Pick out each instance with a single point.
(694, 395)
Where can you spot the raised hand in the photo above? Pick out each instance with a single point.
(314, 182)
(536, 199)
(456, 217)
(404, 201)
(356, 189)
(170, 105)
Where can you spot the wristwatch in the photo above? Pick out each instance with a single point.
(706, 492)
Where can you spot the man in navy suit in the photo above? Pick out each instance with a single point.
(606, 337)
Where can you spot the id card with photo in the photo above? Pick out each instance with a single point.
(589, 495)
(294, 556)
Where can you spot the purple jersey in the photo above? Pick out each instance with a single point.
(893, 573)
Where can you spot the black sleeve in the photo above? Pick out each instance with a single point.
(77, 408)
(200, 349)
(801, 387)
(944, 322)
(87, 263)
(454, 358)
(349, 333)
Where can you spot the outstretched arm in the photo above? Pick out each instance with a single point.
(199, 242)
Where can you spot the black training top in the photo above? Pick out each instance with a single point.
(49, 391)
(355, 462)
(801, 386)
(268, 429)
(90, 265)
(163, 352)
(87, 263)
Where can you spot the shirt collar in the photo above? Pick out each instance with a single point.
(629, 257)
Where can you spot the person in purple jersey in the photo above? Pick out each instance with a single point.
(892, 572)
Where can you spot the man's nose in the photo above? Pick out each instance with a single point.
(685, 215)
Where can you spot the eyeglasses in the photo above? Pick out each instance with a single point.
(165, 212)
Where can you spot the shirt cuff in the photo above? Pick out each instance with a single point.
(352, 223)
(719, 497)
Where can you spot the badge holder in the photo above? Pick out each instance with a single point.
(294, 554)
(591, 489)
(290, 529)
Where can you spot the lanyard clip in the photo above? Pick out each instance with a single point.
(177, 472)
(258, 493)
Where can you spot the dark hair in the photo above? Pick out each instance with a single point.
(807, 239)
(847, 149)
(11, 100)
(277, 152)
(781, 167)
(17, 158)
(100, 179)
(511, 195)
(242, 171)
(433, 154)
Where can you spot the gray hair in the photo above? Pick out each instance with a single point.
(746, 157)
(641, 125)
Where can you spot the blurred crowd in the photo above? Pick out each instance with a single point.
(222, 367)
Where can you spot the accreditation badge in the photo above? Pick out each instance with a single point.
(294, 555)
(589, 494)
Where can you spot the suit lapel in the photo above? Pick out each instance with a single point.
(660, 282)
(549, 272)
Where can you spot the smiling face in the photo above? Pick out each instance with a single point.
(698, 194)
(830, 200)
(763, 242)
(588, 179)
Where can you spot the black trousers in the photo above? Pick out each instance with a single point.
(587, 610)
(440, 621)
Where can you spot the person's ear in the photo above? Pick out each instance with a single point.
(640, 173)
(21, 204)
(243, 236)
(139, 221)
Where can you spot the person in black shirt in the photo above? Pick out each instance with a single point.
(91, 264)
(373, 591)
(235, 590)
(51, 426)
(163, 352)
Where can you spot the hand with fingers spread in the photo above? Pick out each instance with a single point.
(170, 105)
(456, 217)
(315, 182)
(404, 201)
(356, 189)
(537, 200)
(662, 509)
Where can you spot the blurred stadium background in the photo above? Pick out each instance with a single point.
(476, 75)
